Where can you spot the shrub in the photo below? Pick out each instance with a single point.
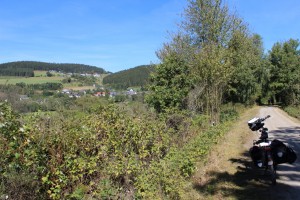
(100, 152)
(293, 111)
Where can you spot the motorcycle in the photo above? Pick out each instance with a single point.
(261, 152)
(267, 154)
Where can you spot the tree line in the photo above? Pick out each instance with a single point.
(41, 86)
(26, 68)
(16, 71)
(214, 59)
(138, 76)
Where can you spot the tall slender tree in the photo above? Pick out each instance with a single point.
(210, 27)
(211, 42)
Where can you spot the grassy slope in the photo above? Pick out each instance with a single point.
(31, 80)
(41, 78)
(228, 172)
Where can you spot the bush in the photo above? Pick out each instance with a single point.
(100, 152)
(228, 114)
(201, 121)
(66, 158)
(294, 111)
(120, 98)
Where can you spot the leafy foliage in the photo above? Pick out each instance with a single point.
(62, 155)
(246, 55)
(285, 72)
(170, 84)
(43, 86)
(203, 45)
(99, 153)
(293, 111)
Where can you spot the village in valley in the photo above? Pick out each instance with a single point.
(78, 90)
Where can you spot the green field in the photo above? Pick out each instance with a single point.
(40, 77)
(30, 80)
(40, 73)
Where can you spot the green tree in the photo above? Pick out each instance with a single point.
(170, 84)
(210, 21)
(49, 74)
(246, 55)
(285, 72)
(203, 44)
(210, 27)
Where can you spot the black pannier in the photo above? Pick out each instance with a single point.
(291, 155)
(279, 152)
(256, 154)
(282, 153)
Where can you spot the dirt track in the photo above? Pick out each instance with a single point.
(229, 172)
(286, 129)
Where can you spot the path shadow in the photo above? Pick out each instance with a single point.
(248, 182)
(290, 135)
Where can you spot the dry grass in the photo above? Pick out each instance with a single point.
(228, 172)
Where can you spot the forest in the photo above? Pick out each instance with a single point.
(26, 68)
(210, 71)
(138, 76)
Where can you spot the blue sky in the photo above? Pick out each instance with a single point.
(274, 20)
(119, 34)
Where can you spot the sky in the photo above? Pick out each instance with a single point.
(119, 34)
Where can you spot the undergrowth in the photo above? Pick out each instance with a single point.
(293, 111)
(103, 153)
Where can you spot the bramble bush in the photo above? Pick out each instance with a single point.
(69, 157)
(102, 153)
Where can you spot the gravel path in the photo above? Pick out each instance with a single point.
(287, 130)
(229, 172)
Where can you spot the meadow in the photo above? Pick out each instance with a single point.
(41, 77)
(4, 80)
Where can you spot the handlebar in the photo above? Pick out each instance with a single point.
(257, 123)
(259, 120)
(268, 116)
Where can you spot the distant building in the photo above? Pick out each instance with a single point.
(66, 91)
(100, 94)
(131, 92)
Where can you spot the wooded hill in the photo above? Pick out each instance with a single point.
(138, 76)
(26, 68)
